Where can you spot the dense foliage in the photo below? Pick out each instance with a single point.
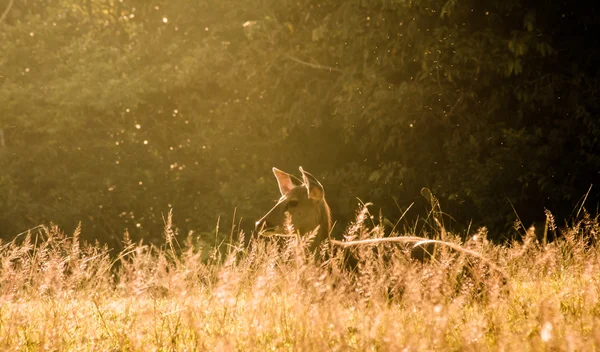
(113, 112)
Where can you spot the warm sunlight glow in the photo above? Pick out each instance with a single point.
(477, 231)
(546, 332)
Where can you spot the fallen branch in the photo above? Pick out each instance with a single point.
(420, 241)
(374, 241)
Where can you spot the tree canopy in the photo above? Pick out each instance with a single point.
(113, 112)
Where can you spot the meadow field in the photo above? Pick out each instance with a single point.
(536, 294)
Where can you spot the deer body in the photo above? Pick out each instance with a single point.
(304, 201)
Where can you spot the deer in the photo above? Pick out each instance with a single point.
(303, 201)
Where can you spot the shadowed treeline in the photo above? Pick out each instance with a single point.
(112, 113)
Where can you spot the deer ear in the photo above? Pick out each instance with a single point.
(314, 187)
(285, 181)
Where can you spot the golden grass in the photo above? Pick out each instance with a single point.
(59, 294)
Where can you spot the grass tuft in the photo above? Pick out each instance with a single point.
(57, 293)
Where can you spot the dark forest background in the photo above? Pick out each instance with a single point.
(114, 112)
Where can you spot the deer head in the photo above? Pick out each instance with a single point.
(304, 201)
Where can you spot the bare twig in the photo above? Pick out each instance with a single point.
(402, 216)
(6, 11)
(88, 4)
(455, 105)
(519, 222)
(584, 199)
(317, 66)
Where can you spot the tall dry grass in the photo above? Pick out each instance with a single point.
(57, 293)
